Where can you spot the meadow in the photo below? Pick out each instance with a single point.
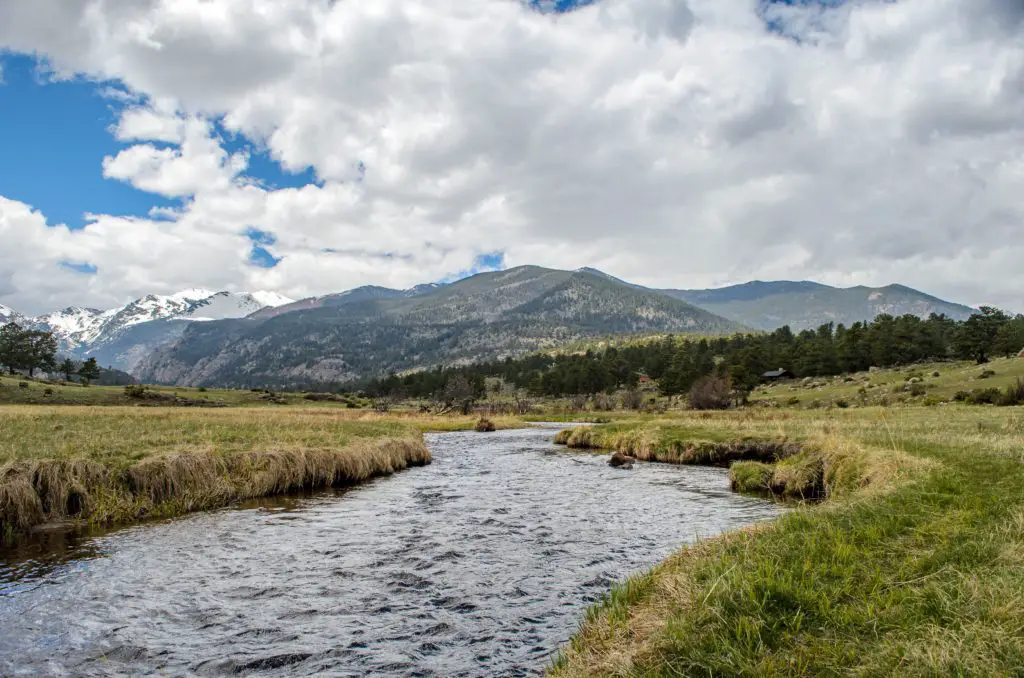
(919, 384)
(912, 565)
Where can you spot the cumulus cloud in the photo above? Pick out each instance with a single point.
(670, 142)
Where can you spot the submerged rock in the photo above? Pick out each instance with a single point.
(620, 460)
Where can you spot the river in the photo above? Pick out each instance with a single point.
(481, 564)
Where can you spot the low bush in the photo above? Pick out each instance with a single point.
(984, 396)
(135, 391)
(710, 393)
(1014, 394)
(22, 384)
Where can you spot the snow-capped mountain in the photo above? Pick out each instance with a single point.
(9, 315)
(121, 336)
(78, 328)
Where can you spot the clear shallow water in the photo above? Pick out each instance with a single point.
(481, 564)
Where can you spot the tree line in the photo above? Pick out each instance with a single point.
(677, 363)
(26, 350)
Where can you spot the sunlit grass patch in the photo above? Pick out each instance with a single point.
(912, 566)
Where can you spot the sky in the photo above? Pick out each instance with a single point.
(312, 146)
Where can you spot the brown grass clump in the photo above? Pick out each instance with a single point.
(117, 489)
(485, 425)
(20, 506)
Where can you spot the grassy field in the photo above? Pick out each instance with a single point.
(935, 383)
(115, 464)
(21, 391)
(913, 566)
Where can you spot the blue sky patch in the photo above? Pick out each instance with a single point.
(260, 237)
(54, 137)
(558, 6)
(262, 258)
(482, 263)
(79, 267)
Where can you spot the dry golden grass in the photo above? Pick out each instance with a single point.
(114, 464)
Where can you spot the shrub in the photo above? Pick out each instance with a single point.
(47, 392)
(578, 403)
(932, 401)
(22, 384)
(842, 404)
(632, 399)
(986, 396)
(485, 425)
(710, 393)
(135, 391)
(961, 396)
(603, 402)
(794, 401)
(202, 389)
(1014, 394)
(917, 389)
(936, 374)
(987, 374)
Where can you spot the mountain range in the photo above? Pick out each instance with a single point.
(808, 305)
(122, 336)
(369, 330)
(201, 337)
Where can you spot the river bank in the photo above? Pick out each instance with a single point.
(110, 465)
(913, 565)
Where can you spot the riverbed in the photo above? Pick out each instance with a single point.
(481, 564)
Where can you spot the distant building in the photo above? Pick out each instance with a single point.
(775, 375)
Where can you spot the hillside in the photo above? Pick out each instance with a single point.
(359, 334)
(808, 305)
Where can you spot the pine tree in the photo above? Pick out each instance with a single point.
(89, 371)
(68, 369)
(12, 347)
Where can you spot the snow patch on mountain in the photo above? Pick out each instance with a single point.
(9, 315)
(81, 330)
(272, 299)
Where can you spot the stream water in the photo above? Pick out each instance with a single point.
(481, 564)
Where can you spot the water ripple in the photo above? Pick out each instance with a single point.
(480, 564)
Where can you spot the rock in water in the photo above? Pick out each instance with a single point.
(620, 460)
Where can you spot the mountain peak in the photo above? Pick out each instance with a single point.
(272, 299)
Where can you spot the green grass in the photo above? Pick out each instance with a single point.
(36, 392)
(891, 386)
(917, 569)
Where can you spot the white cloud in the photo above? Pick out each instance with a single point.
(672, 143)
